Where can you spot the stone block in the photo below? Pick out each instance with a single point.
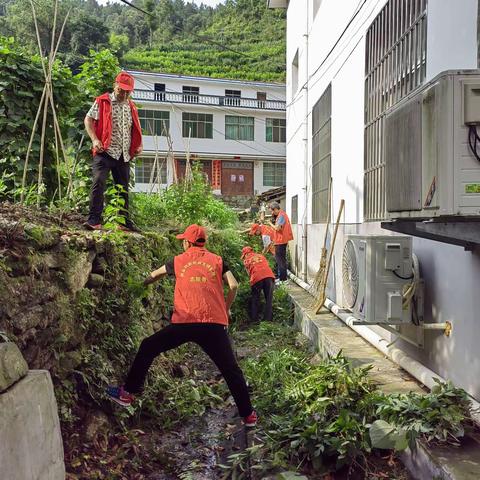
(12, 365)
(31, 444)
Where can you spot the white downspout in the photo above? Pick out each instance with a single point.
(305, 160)
(420, 372)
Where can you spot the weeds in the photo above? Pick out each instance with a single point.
(320, 418)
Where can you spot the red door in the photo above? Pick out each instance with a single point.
(237, 178)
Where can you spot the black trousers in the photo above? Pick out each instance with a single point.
(266, 285)
(103, 164)
(214, 341)
(281, 261)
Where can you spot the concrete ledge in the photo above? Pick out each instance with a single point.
(31, 445)
(331, 336)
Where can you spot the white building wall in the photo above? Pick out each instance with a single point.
(217, 148)
(451, 274)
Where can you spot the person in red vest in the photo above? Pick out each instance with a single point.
(113, 126)
(261, 279)
(283, 234)
(267, 234)
(200, 315)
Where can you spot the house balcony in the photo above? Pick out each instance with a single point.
(209, 100)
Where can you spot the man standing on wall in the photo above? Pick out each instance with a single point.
(283, 234)
(113, 126)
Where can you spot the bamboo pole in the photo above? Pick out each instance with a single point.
(29, 148)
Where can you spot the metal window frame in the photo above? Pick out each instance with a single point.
(161, 126)
(277, 128)
(276, 177)
(198, 122)
(144, 165)
(234, 122)
(395, 65)
(294, 210)
(321, 130)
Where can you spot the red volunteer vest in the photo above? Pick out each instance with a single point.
(257, 267)
(198, 296)
(103, 126)
(267, 230)
(285, 234)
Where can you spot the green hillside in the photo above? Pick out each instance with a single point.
(241, 39)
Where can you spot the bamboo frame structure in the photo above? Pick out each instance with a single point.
(45, 100)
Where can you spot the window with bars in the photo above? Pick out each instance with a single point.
(276, 130)
(273, 174)
(321, 155)
(239, 128)
(395, 65)
(197, 125)
(154, 122)
(294, 215)
(144, 171)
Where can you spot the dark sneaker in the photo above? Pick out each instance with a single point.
(120, 395)
(90, 226)
(251, 420)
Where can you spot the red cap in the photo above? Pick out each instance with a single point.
(125, 81)
(246, 250)
(254, 228)
(194, 234)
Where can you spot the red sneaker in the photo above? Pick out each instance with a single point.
(120, 395)
(251, 420)
(89, 226)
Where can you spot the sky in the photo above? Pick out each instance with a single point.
(211, 3)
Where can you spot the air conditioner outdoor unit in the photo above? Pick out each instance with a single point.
(375, 270)
(431, 171)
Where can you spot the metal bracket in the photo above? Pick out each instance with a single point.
(453, 230)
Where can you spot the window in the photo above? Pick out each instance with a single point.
(190, 94)
(321, 156)
(239, 128)
(144, 171)
(154, 122)
(273, 174)
(294, 210)
(276, 130)
(197, 125)
(232, 97)
(159, 91)
(261, 99)
(295, 74)
(395, 64)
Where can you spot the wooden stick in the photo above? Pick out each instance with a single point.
(323, 286)
(29, 148)
(42, 145)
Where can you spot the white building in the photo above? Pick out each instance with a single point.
(236, 129)
(348, 63)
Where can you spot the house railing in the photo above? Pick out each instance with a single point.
(214, 100)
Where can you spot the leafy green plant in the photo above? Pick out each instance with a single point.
(327, 416)
(114, 212)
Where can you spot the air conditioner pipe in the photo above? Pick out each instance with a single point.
(423, 374)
